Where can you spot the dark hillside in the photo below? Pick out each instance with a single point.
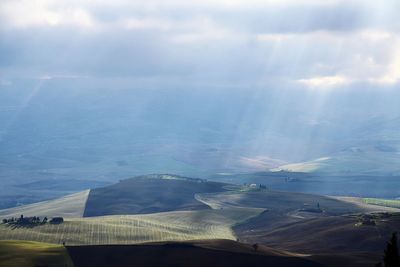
(224, 253)
(149, 194)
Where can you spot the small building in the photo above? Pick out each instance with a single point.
(57, 220)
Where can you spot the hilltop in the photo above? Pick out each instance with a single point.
(149, 194)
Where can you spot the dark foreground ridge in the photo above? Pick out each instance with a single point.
(196, 253)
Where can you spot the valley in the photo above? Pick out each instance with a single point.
(185, 210)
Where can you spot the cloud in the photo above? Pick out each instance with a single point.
(24, 14)
(62, 76)
(272, 43)
(325, 82)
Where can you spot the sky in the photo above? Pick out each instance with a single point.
(197, 83)
(310, 44)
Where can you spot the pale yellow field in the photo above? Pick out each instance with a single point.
(70, 206)
(131, 229)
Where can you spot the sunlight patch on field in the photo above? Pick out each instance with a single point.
(392, 203)
(28, 253)
(70, 206)
(371, 204)
(131, 229)
(309, 166)
(228, 200)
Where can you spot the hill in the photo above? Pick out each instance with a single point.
(30, 254)
(149, 194)
(327, 234)
(282, 202)
(70, 206)
(336, 241)
(342, 229)
(191, 253)
(375, 160)
(133, 229)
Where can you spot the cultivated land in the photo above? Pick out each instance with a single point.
(70, 206)
(282, 202)
(30, 254)
(132, 229)
(332, 230)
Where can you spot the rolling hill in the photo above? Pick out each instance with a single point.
(30, 254)
(70, 206)
(149, 194)
(134, 229)
(196, 209)
(189, 253)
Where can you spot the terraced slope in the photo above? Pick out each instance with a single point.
(132, 229)
(282, 202)
(70, 206)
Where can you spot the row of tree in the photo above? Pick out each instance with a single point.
(35, 220)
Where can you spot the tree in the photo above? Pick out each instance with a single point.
(255, 246)
(391, 257)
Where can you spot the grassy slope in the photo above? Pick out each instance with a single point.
(282, 202)
(30, 254)
(148, 194)
(70, 206)
(391, 203)
(131, 229)
(285, 226)
(339, 233)
(373, 204)
(137, 195)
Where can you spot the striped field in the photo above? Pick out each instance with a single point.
(131, 229)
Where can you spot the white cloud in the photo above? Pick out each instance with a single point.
(392, 74)
(323, 82)
(25, 13)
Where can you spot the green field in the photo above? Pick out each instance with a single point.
(131, 229)
(383, 202)
(30, 254)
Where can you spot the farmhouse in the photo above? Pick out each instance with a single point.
(57, 220)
